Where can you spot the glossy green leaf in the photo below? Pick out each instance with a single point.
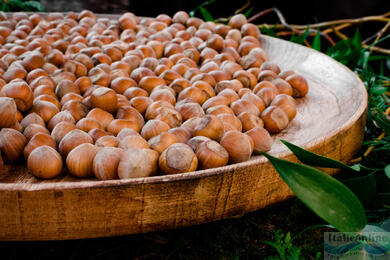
(317, 41)
(314, 159)
(206, 14)
(327, 197)
(364, 187)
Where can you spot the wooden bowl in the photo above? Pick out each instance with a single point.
(330, 122)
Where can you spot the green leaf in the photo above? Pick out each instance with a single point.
(34, 6)
(314, 159)
(247, 13)
(327, 197)
(364, 187)
(206, 14)
(387, 170)
(357, 39)
(300, 39)
(317, 41)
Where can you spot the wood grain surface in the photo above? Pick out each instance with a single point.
(330, 122)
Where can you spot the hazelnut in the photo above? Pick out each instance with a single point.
(257, 101)
(178, 85)
(66, 86)
(232, 120)
(287, 104)
(45, 162)
(211, 154)
(238, 145)
(141, 103)
(72, 140)
(219, 109)
(268, 65)
(234, 85)
(262, 140)
(275, 119)
(87, 124)
(130, 113)
(230, 94)
(283, 86)
(50, 99)
(249, 121)
(103, 117)
(160, 142)
(214, 101)
(60, 117)
(244, 105)
(126, 132)
(76, 108)
(285, 74)
(140, 73)
(44, 109)
(177, 158)
(38, 140)
(133, 142)
(8, 112)
(151, 111)
(105, 163)
(80, 160)
(206, 87)
(105, 99)
(12, 144)
(210, 126)
(83, 83)
(121, 84)
(71, 96)
(268, 75)
(164, 95)
(250, 29)
(117, 125)
(137, 163)
(148, 83)
(20, 92)
(154, 127)
(32, 118)
(299, 85)
(107, 141)
(182, 134)
(97, 133)
(247, 79)
(61, 129)
(189, 110)
(198, 95)
(267, 95)
(237, 21)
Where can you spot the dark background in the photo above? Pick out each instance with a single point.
(299, 12)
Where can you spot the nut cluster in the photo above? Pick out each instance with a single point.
(136, 97)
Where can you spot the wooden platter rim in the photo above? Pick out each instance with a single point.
(258, 159)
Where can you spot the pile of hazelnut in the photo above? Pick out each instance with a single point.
(137, 97)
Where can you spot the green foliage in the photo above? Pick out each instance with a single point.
(20, 5)
(315, 160)
(300, 38)
(327, 197)
(317, 41)
(204, 12)
(284, 247)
